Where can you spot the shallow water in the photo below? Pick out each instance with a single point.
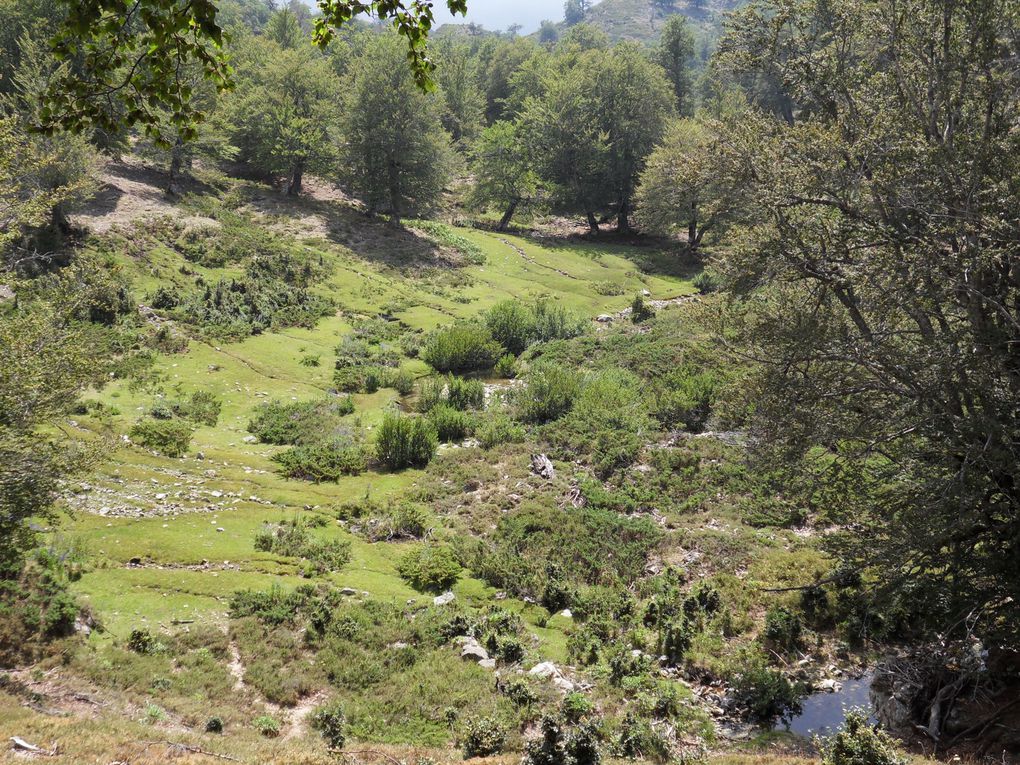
(822, 713)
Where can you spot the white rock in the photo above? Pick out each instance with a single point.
(566, 613)
(445, 599)
(474, 652)
(487, 664)
(544, 670)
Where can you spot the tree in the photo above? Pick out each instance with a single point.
(284, 29)
(504, 172)
(548, 33)
(127, 58)
(396, 155)
(573, 12)
(882, 289)
(596, 124)
(674, 54)
(284, 113)
(681, 189)
(462, 98)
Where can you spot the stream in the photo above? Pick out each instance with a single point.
(823, 712)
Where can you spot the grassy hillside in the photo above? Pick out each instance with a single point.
(204, 623)
(642, 20)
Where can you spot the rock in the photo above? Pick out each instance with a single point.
(542, 465)
(604, 318)
(6, 293)
(567, 613)
(445, 599)
(544, 670)
(398, 645)
(349, 591)
(220, 529)
(646, 293)
(474, 652)
(249, 439)
(199, 455)
(487, 664)
(563, 684)
(828, 685)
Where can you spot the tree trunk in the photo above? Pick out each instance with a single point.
(296, 177)
(394, 179)
(693, 235)
(507, 216)
(622, 218)
(593, 224)
(176, 163)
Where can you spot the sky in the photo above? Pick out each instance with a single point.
(497, 15)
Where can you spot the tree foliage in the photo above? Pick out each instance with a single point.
(880, 274)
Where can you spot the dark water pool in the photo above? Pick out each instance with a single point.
(822, 713)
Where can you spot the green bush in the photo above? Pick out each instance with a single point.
(465, 394)
(294, 540)
(483, 737)
(402, 381)
(331, 722)
(267, 726)
(765, 692)
(462, 348)
(405, 442)
(640, 311)
(359, 379)
(498, 428)
(707, 282)
(214, 725)
(685, 399)
(512, 324)
(575, 706)
(858, 743)
(203, 407)
(430, 568)
(171, 438)
(675, 638)
(431, 393)
(451, 424)
(782, 628)
(549, 392)
(506, 367)
(324, 462)
(299, 422)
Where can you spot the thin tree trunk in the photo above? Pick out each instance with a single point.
(394, 177)
(622, 218)
(593, 224)
(296, 178)
(693, 235)
(176, 163)
(507, 216)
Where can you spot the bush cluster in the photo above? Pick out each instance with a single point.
(430, 568)
(516, 325)
(299, 422)
(461, 349)
(171, 438)
(549, 392)
(404, 441)
(325, 462)
(294, 540)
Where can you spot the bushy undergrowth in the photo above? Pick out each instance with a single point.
(171, 438)
(327, 461)
(404, 441)
(549, 392)
(451, 424)
(295, 540)
(859, 743)
(516, 325)
(430, 567)
(301, 422)
(462, 348)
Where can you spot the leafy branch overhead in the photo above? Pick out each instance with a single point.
(129, 58)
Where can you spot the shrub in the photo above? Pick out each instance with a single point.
(406, 441)
(462, 348)
(782, 628)
(451, 424)
(675, 638)
(331, 722)
(431, 393)
(685, 399)
(310, 360)
(512, 324)
(575, 706)
(429, 568)
(402, 381)
(506, 367)
(555, 322)
(143, 642)
(358, 379)
(484, 737)
(766, 693)
(324, 462)
(267, 726)
(520, 693)
(203, 407)
(858, 743)
(498, 428)
(465, 394)
(171, 438)
(214, 725)
(549, 393)
(298, 422)
(707, 282)
(639, 310)
(293, 540)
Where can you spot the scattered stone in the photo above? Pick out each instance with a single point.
(348, 591)
(828, 685)
(567, 613)
(445, 599)
(604, 318)
(542, 465)
(544, 670)
(487, 664)
(249, 439)
(220, 529)
(474, 652)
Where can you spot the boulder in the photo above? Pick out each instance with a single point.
(445, 599)
(487, 664)
(474, 652)
(544, 670)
